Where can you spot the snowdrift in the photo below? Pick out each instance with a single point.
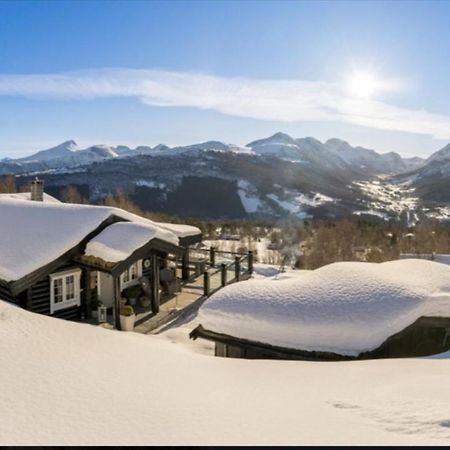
(345, 308)
(64, 383)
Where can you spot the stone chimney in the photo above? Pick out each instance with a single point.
(37, 190)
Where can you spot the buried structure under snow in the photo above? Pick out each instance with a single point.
(343, 311)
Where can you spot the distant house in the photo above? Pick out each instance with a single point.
(58, 259)
(230, 237)
(342, 311)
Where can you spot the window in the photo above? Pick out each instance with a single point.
(64, 290)
(133, 271)
(126, 276)
(58, 290)
(70, 287)
(130, 275)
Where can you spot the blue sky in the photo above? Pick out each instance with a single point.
(179, 72)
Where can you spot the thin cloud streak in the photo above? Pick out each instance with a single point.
(275, 100)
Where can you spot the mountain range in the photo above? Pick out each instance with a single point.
(332, 153)
(275, 177)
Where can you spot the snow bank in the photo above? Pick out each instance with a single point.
(118, 241)
(65, 383)
(345, 308)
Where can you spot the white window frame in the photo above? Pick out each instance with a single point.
(76, 301)
(131, 281)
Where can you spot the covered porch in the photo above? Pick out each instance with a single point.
(128, 264)
(105, 284)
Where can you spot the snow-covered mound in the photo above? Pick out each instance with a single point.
(345, 308)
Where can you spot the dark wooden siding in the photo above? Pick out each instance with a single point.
(6, 295)
(426, 336)
(39, 300)
(40, 297)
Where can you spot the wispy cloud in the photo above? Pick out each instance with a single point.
(276, 100)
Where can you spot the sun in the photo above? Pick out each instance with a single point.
(364, 85)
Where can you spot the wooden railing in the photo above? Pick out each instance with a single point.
(217, 277)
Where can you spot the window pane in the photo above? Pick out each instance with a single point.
(70, 287)
(133, 270)
(126, 276)
(58, 290)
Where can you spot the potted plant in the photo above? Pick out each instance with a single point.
(95, 303)
(127, 318)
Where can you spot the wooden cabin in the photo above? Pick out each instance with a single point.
(341, 311)
(426, 336)
(59, 259)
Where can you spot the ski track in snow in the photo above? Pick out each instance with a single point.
(406, 417)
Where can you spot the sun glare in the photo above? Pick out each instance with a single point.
(363, 85)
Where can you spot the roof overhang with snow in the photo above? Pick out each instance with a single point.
(27, 196)
(37, 237)
(123, 243)
(345, 308)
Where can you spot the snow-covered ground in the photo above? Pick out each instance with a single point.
(71, 384)
(440, 212)
(65, 383)
(249, 197)
(296, 202)
(386, 197)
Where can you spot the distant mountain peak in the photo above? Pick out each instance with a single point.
(281, 137)
(440, 155)
(336, 141)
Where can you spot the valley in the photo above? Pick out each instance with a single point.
(274, 178)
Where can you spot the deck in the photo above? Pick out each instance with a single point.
(221, 269)
(190, 297)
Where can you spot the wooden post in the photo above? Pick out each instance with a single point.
(212, 256)
(87, 294)
(237, 268)
(155, 283)
(250, 262)
(185, 265)
(206, 285)
(29, 298)
(223, 273)
(116, 281)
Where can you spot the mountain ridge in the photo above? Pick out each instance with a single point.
(68, 154)
(271, 177)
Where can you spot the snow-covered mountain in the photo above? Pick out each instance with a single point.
(334, 152)
(60, 152)
(68, 155)
(331, 155)
(271, 177)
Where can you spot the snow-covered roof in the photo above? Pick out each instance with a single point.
(118, 241)
(27, 196)
(180, 230)
(345, 308)
(33, 234)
